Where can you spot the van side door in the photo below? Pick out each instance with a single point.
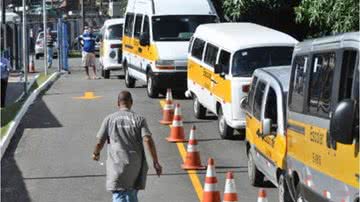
(127, 40)
(136, 42)
(221, 84)
(210, 58)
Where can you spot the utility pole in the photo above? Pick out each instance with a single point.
(45, 38)
(3, 23)
(24, 47)
(82, 16)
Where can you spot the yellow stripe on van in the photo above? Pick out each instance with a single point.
(132, 45)
(312, 150)
(207, 79)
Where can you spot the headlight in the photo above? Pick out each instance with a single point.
(165, 64)
(112, 54)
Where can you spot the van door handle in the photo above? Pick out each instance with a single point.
(139, 50)
(212, 80)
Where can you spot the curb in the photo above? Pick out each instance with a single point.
(14, 123)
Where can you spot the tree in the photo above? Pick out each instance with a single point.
(331, 16)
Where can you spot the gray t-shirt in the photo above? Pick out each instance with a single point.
(126, 166)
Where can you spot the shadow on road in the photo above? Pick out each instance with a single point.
(13, 187)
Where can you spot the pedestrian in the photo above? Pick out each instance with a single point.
(5, 68)
(87, 40)
(125, 133)
(50, 47)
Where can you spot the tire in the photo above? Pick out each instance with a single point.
(129, 81)
(256, 178)
(283, 191)
(151, 89)
(299, 196)
(226, 132)
(106, 74)
(37, 56)
(198, 108)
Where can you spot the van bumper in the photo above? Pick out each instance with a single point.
(173, 80)
(237, 124)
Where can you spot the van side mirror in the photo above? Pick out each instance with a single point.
(144, 39)
(341, 122)
(218, 69)
(266, 127)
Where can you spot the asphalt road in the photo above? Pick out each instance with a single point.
(49, 159)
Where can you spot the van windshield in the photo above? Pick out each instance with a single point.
(246, 61)
(114, 32)
(178, 28)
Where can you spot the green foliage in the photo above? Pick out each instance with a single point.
(331, 16)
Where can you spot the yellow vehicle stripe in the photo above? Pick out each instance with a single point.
(132, 45)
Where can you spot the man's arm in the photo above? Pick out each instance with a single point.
(149, 142)
(98, 148)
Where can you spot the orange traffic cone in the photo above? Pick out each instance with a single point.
(230, 194)
(262, 196)
(168, 110)
(32, 66)
(211, 194)
(192, 159)
(177, 130)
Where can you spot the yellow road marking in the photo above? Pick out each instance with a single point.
(194, 178)
(88, 95)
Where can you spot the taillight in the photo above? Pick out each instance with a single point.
(115, 45)
(245, 88)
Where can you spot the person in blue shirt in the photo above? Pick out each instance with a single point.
(87, 40)
(5, 68)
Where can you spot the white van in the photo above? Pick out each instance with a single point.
(221, 60)
(156, 38)
(111, 46)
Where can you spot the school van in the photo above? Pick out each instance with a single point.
(156, 38)
(265, 108)
(111, 46)
(222, 58)
(323, 120)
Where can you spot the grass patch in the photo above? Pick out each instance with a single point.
(9, 112)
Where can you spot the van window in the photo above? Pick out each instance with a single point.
(114, 32)
(259, 93)
(298, 82)
(224, 60)
(197, 48)
(211, 54)
(347, 74)
(178, 27)
(247, 60)
(146, 25)
(129, 24)
(321, 79)
(138, 21)
(251, 92)
(190, 44)
(271, 109)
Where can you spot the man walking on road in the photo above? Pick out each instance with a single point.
(50, 47)
(87, 40)
(126, 168)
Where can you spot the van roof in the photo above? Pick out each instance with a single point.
(331, 42)
(280, 73)
(236, 36)
(171, 7)
(113, 21)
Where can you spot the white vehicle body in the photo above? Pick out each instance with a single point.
(162, 62)
(228, 43)
(111, 45)
(39, 45)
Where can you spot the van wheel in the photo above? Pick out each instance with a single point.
(129, 81)
(226, 132)
(106, 74)
(255, 176)
(283, 191)
(299, 196)
(199, 109)
(151, 89)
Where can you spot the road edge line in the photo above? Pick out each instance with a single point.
(194, 178)
(5, 141)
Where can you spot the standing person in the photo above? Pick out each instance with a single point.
(87, 39)
(126, 168)
(50, 47)
(5, 68)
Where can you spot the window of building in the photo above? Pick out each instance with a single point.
(224, 61)
(211, 54)
(197, 48)
(298, 83)
(321, 80)
(259, 93)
